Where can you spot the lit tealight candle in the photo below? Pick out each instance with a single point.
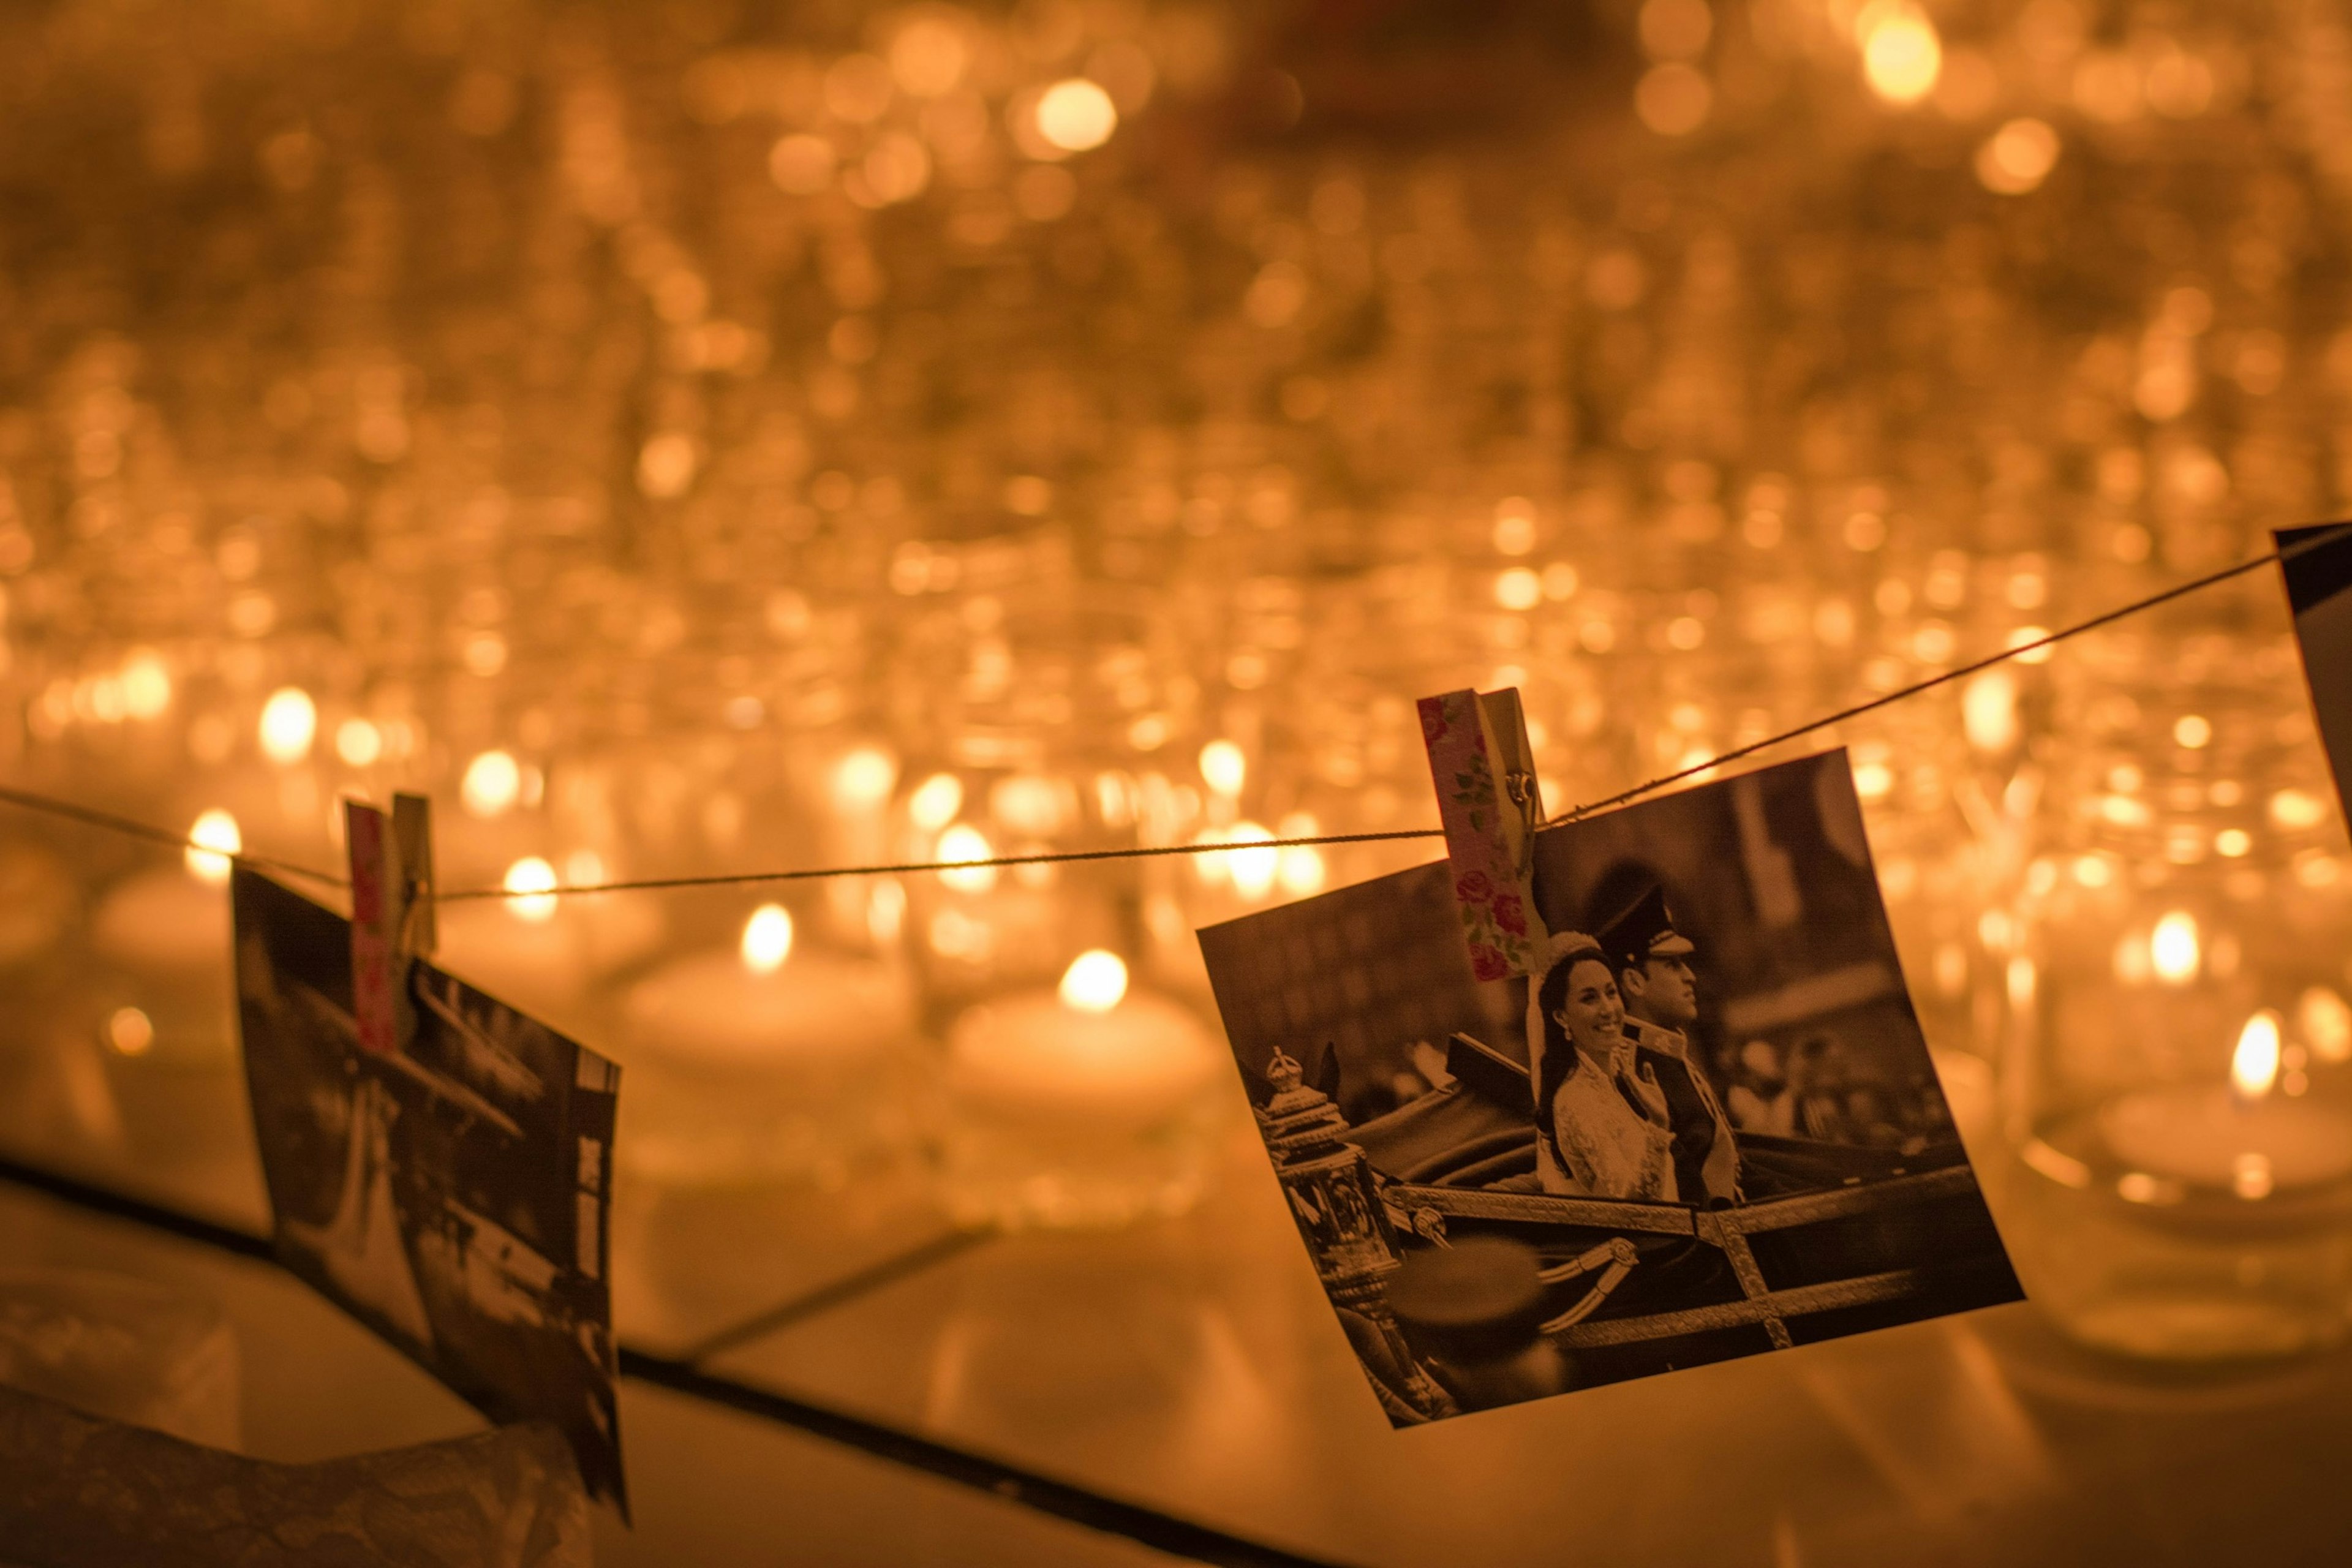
(2242, 1139)
(769, 1060)
(1090, 1050)
(174, 921)
(767, 1005)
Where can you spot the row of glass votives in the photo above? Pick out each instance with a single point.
(2174, 1045)
(790, 1046)
(2169, 1026)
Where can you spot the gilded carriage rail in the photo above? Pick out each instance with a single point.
(1770, 1308)
(1674, 1219)
(1542, 1208)
(1726, 1229)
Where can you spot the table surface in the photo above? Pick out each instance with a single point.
(1192, 1367)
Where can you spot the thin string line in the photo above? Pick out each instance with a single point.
(915, 867)
(92, 817)
(2334, 531)
(1959, 673)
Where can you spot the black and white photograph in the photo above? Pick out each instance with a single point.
(1703, 1125)
(2317, 564)
(454, 1195)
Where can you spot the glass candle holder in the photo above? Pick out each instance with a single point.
(2176, 1080)
(772, 1058)
(1069, 1095)
(161, 1009)
(122, 1349)
(1089, 1103)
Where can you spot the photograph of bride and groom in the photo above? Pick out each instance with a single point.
(1704, 1124)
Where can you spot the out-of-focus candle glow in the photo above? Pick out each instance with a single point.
(145, 685)
(289, 721)
(2174, 950)
(531, 875)
(1901, 53)
(1076, 115)
(2017, 157)
(217, 831)
(1224, 768)
(2296, 808)
(1096, 982)
(1302, 869)
(2254, 1064)
(492, 782)
(935, 802)
(1252, 870)
(357, 742)
(864, 778)
(927, 57)
(964, 843)
(1989, 711)
(767, 939)
(130, 1031)
(1673, 98)
(2325, 1022)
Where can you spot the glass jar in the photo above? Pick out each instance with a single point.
(2176, 1075)
(1074, 1089)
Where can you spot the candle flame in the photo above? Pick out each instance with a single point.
(767, 939)
(2173, 949)
(289, 721)
(217, 830)
(2255, 1065)
(1096, 982)
(531, 875)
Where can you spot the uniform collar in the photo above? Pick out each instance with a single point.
(1651, 1037)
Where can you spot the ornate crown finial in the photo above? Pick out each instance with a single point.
(1283, 1072)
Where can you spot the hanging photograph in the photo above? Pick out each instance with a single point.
(452, 1195)
(1705, 1125)
(2317, 564)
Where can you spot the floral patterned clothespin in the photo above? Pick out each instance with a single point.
(1484, 768)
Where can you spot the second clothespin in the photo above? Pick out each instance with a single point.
(1484, 767)
(392, 913)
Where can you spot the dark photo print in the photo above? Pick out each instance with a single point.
(2317, 565)
(1706, 1126)
(453, 1196)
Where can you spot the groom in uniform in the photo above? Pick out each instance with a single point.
(1661, 996)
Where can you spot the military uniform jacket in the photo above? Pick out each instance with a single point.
(1706, 1161)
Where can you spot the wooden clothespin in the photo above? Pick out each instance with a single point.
(1484, 769)
(391, 914)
